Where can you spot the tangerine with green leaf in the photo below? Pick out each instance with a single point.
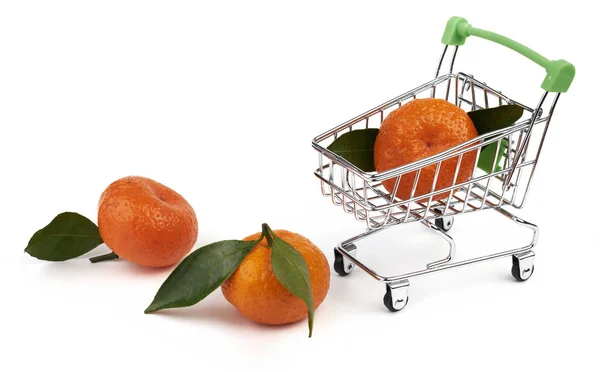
(258, 294)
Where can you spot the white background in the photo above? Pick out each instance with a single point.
(220, 100)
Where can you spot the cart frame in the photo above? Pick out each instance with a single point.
(514, 155)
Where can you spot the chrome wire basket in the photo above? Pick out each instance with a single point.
(513, 153)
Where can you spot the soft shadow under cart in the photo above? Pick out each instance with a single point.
(515, 153)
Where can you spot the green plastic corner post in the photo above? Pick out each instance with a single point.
(456, 31)
(559, 73)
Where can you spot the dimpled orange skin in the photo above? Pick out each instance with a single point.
(146, 222)
(417, 130)
(255, 291)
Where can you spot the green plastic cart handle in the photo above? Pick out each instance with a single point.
(559, 73)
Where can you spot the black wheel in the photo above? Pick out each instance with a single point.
(445, 227)
(439, 222)
(516, 271)
(387, 300)
(338, 264)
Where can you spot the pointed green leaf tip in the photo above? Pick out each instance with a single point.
(492, 119)
(69, 235)
(292, 272)
(200, 273)
(357, 147)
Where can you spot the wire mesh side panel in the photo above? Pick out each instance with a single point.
(490, 190)
(372, 199)
(500, 189)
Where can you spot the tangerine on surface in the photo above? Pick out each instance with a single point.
(255, 291)
(146, 222)
(417, 130)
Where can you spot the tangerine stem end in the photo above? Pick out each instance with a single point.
(104, 257)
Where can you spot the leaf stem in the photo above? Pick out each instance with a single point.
(104, 257)
(267, 233)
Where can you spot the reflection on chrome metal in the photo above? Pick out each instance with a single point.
(363, 195)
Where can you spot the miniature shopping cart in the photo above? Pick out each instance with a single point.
(514, 156)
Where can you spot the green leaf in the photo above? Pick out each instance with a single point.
(486, 157)
(69, 235)
(200, 273)
(292, 272)
(489, 120)
(357, 147)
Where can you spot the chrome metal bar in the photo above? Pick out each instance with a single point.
(447, 238)
(468, 193)
(343, 173)
(433, 184)
(470, 103)
(464, 77)
(472, 180)
(338, 190)
(437, 71)
(436, 268)
(342, 161)
(506, 162)
(492, 170)
(453, 58)
(485, 97)
(464, 147)
(537, 155)
(412, 192)
(454, 181)
(462, 91)
(456, 102)
(474, 105)
(515, 184)
(526, 140)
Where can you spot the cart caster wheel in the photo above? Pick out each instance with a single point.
(339, 267)
(396, 296)
(341, 264)
(444, 223)
(522, 266)
(387, 301)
